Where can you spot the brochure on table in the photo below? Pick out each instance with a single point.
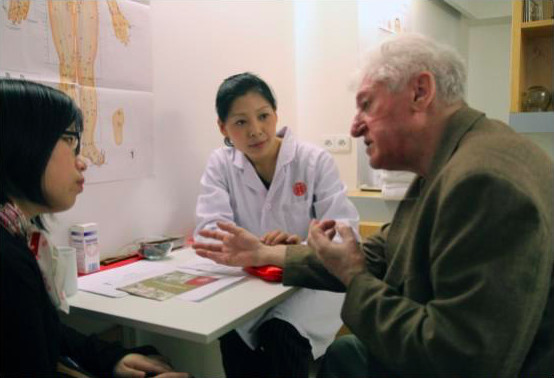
(192, 281)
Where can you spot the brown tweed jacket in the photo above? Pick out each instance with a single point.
(460, 283)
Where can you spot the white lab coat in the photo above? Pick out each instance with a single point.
(305, 185)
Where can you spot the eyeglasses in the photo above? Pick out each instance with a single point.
(73, 138)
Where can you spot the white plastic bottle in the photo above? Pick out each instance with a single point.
(84, 237)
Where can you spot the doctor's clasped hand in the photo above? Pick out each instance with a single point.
(280, 237)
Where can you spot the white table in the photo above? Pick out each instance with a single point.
(201, 322)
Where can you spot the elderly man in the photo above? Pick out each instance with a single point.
(460, 283)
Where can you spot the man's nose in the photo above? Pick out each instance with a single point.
(358, 127)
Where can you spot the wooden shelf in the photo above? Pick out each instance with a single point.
(372, 206)
(537, 29)
(537, 24)
(367, 229)
(531, 57)
(365, 193)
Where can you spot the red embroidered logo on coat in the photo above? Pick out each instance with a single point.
(299, 188)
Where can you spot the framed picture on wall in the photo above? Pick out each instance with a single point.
(393, 25)
(393, 18)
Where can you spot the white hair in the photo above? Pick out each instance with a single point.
(401, 57)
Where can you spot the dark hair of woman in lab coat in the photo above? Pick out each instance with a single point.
(236, 86)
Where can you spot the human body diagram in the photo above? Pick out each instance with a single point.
(74, 26)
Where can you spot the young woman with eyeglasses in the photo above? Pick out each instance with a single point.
(41, 172)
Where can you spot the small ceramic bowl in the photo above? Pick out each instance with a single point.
(155, 251)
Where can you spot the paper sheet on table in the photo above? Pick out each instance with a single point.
(206, 265)
(183, 284)
(210, 289)
(107, 282)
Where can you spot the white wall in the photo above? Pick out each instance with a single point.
(483, 9)
(306, 50)
(196, 44)
(428, 17)
(489, 74)
(326, 42)
(489, 69)
(440, 22)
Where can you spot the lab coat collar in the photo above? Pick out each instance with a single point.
(288, 148)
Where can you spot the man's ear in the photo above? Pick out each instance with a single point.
(222, 128)
(424, 90)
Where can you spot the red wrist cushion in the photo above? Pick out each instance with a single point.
(270, 273)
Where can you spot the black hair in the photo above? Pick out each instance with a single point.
(239, 85)
(32, 119)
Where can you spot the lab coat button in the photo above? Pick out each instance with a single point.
(268, 206)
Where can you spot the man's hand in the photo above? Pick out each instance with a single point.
(280, 237)
(238, 247)
(344, 260)
(137, 365)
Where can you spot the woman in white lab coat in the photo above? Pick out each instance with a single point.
(272, 185)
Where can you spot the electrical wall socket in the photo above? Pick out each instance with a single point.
(329, 143)
(337, 143)
(342, 143)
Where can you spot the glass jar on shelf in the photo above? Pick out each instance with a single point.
(536, 99)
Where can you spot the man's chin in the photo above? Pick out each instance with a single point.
(374, 163)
